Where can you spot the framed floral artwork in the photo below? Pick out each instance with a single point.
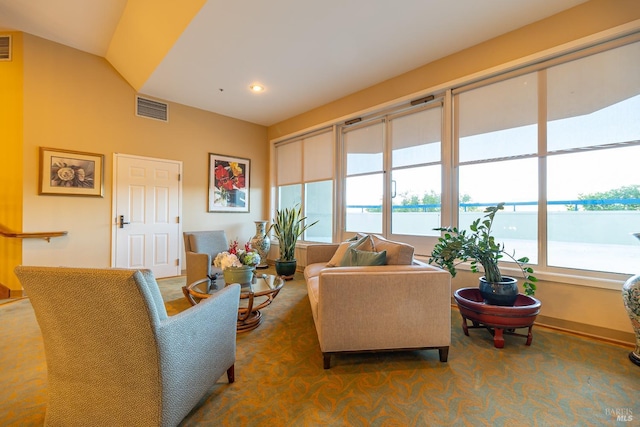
(228, 183)
(71, 173)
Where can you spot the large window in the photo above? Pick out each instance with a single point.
(305, 173)
(393, 174)
(416, 171)
(497, 156)
(593, 184)
(574, 127)
(557, 141)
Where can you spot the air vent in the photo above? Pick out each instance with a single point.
(152, 109)
(5, 48)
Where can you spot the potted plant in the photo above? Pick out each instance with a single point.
(479, 247)
(237, 264)
(287, 226)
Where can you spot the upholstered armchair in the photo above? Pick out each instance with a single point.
(114, 356)
(201, 247)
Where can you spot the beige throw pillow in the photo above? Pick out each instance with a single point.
(397, 253)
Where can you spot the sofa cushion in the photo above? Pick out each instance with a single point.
(397, 253)
(341, 255)
(366, 258)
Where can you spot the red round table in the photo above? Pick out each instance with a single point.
(495, 318)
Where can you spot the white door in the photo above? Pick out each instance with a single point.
(147, 209)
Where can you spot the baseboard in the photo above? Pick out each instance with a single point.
(5, 292)
(626, 339)
(605, 334)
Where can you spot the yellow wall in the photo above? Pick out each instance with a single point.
(77, 101)
(585, 309)
(11, 102)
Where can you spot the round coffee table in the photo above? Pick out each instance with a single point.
(253, 297)
(495, 318)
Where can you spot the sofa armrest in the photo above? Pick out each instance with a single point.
(321, 252)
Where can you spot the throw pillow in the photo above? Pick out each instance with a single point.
(339, 254)
(366, 258)
(360, 241)
(397, 253)
(363, 244)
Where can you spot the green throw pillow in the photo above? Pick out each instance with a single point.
(364, 243)
(362, 258)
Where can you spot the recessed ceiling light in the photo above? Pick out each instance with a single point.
(256, 87)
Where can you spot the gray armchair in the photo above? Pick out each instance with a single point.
(113, 355)
(201, 247)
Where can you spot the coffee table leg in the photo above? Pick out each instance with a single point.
(498, 339)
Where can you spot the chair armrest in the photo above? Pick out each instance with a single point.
(198, 345)
(321, 252)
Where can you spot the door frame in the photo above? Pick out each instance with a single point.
(114, 195)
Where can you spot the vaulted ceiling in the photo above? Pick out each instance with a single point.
(206, 53)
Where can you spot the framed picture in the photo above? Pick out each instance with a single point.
(71, 173)
(228, 183)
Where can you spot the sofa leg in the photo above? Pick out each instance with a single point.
(231, 374)
(444, 353)
(326, 360)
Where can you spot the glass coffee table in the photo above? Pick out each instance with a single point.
(254, 296)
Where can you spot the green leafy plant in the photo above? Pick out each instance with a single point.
(478, 247)
(287, 226)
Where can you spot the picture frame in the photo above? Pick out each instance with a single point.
(229, 183)
(70, 173)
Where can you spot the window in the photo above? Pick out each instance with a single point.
(305, 172)
(497, 127)
(557, 141)
(573, 126)
(416, 179)
(593, 184)
(364, 184)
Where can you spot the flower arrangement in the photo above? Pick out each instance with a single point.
(237, 257)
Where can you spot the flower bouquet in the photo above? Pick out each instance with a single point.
(237, 264)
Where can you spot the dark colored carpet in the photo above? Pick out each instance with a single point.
(560, 380)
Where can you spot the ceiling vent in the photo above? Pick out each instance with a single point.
(151, 109)
(5, 48)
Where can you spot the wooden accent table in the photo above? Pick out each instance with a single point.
(253, 297)
(495, 318)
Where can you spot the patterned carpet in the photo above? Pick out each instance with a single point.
(561, 380)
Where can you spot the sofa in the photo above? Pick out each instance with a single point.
(391, 303)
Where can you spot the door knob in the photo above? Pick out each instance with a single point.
(122, 223)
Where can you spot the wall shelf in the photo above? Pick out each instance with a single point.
(46, 235)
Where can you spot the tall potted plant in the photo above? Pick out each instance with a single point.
(288, 226)
(479, 247)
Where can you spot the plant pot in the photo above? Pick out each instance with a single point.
(242, 275)
(286, 269)
(502, 293)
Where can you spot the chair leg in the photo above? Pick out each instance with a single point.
(444, 353)
(231, 374)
